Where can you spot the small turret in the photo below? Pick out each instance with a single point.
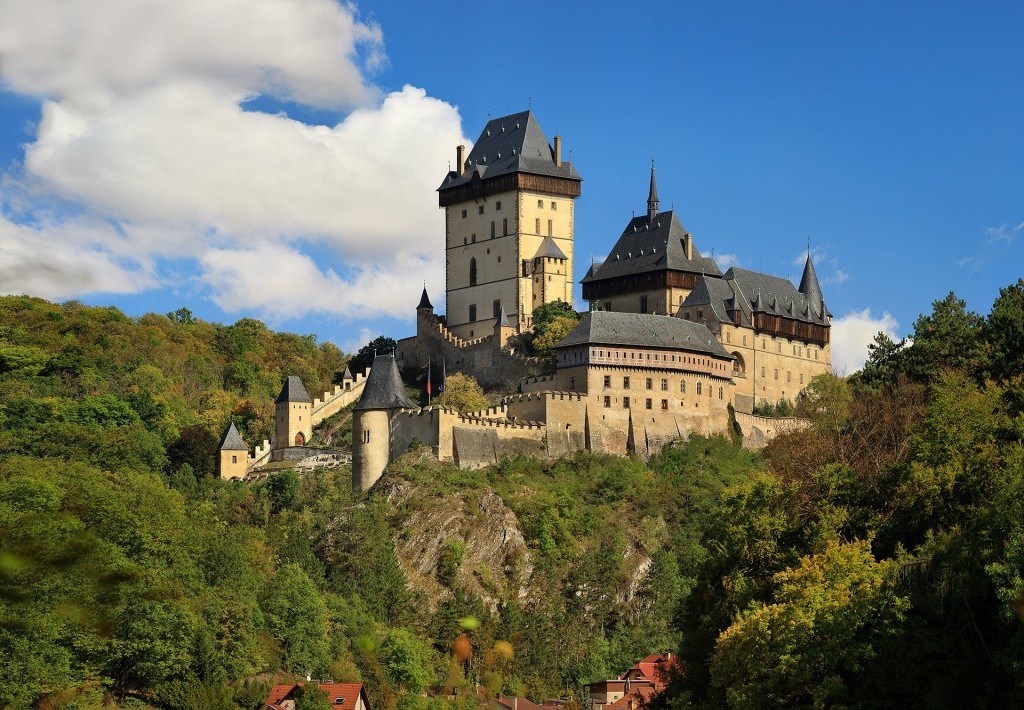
(383, 396)
(233, 458)
(347, 380)
(425, 303)
(503, 329)
(293, 415)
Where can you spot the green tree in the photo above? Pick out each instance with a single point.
(463, 393)
(364, 358)
(546, 313)
(406, 661)
(1004, 331)
(809, 645)
(297, 617)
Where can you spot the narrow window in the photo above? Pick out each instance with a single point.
(234, 459)
(647, 403)
(649, 383)
(643, 304)
(463, 214)
(472, 273)
(472, 239)
(536, 226)
(721, 393)
(472, 312)
(776, 374)
(607, 401)
(480, 209)
(540, 204)
(664, 385)
(801, 378)
(682, 386)
(554, 205)
(504, 226)
(549, 228)
(607, 380)
(664, 404)
(625, 383)
(572, 383)
(496, 307)
(698, 388)
(492, 229)
(625, 402)
(497, 206)
(789, 376)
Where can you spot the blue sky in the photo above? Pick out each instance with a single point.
(282, 164)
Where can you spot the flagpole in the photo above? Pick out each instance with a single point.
(428, 380)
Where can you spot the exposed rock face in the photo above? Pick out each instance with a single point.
(497, 563)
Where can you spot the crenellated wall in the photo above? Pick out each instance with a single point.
(330, 403)
(493, 366)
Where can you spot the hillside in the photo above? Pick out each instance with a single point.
(875, 558)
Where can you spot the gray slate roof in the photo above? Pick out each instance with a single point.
(384, 388)
(347, 374)
(511, 144)
(809, 282)
(642, 330)
(503, 321)
(651, 244)
(753, 292)
(548, 248)
(232, 440)
(293, 391)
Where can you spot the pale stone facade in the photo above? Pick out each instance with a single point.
(293, 415)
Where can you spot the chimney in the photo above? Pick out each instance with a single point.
(460, 160)
(558, 150)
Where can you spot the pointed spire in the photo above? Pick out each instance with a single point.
(809, 282)
(652, 196)
(424, 301)
(503, 321)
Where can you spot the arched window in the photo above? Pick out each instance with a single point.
(472, 271)
(738, 365)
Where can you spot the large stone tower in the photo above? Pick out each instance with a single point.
(383, 396)
(509, 202)
(293, 420)
(234, 454)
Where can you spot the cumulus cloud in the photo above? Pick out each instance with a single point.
(851, 335)
(144, 132)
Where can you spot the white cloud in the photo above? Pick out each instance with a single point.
(88, 51)
(1004, 233)
(837, 278)
(725, 261)
(145, 134)
(353, 344)
(851, 335)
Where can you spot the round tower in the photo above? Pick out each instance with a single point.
(383, 396)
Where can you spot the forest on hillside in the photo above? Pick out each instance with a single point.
(874, 559)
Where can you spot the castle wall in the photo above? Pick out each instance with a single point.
(758, 431)
(772, 368)
(492, 366)
(330, 403)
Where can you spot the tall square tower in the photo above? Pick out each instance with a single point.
(509, 216)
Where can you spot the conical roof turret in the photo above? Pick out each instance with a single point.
(384, 388)
(232, 440)
(424, 301)
(293, 391)
(809, 283)
(503, 321)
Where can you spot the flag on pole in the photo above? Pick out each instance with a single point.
(428, 379)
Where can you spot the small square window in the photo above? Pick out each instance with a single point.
(480, 209)
(497, 206)
(554, 205)
(540, 204)
(234, 459)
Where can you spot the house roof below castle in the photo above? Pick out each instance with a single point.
(642, 330)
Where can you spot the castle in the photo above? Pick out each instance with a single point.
(669, 344)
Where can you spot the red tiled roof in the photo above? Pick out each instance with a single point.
(349, 691)
(639, 695)
(654, 668)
